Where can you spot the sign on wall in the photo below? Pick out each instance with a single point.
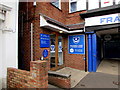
(103, 20)
(44, 40)
(45, 53)
(76, 44)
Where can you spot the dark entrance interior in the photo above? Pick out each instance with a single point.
(110, 41)
(112, 46)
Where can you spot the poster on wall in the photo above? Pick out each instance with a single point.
(76, 44)
(44, 40)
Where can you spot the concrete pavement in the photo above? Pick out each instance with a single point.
(98, 80)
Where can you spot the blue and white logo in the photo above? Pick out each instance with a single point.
(52, 47)
(76, 40)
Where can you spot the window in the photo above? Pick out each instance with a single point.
(93, 4)
(73, 6)
(105, 3)
(117, 1)
(57, 3)
(77, 5)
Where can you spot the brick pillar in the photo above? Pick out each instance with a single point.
(39, 71)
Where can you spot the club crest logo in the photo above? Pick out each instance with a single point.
(76, 40)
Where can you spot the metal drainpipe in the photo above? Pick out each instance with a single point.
(85, 52)
(90, 64)
(32, 29)
(31, 41)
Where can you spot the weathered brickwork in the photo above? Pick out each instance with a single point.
(73, 60)
(60, 81)
(32, 15)
(36, 78)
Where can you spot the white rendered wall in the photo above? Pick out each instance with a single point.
(9, 41)
(0, 59)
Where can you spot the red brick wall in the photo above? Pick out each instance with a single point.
(49, 10)
(73, 60)
(60, 81)
(36, 78)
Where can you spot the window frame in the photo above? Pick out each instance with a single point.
(56, 6)
(77, 8)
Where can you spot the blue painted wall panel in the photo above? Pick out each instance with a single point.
(94, 52)
(90, 64)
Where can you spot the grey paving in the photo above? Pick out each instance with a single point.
(98, 80)
(52, 87)
(109, 66)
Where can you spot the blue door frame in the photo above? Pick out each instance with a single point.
(93, 52)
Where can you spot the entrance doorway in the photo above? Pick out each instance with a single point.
(103, 45)
(56, 52)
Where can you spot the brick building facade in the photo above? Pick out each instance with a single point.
(28, 13)
(61, 21)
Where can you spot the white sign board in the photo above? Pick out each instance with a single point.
(103, 20)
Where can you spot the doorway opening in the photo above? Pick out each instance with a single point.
(103, 45)
(56, 52)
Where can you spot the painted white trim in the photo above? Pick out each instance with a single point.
(2, 16)
(43, 23)
(59, 4)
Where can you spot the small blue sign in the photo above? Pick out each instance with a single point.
(76, 44)
(45, 53)
(44, 40)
